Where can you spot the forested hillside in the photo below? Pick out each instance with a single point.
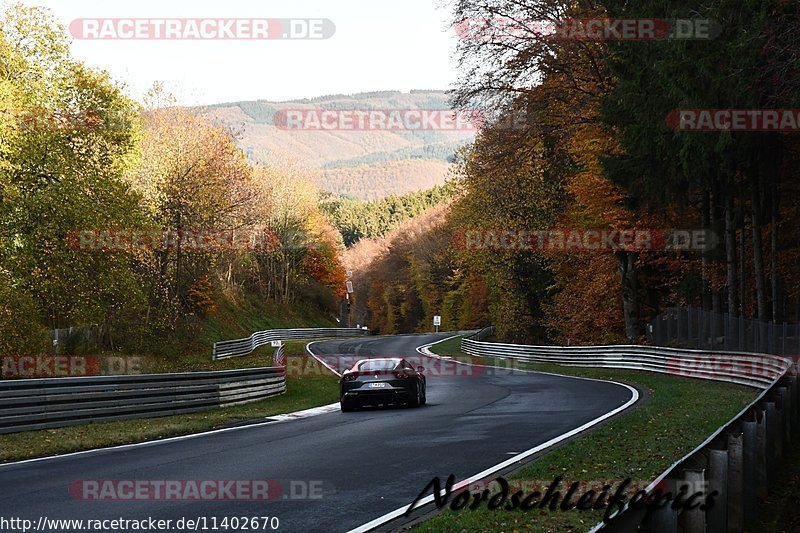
(367, 164)
(600, 151)
(357, 219)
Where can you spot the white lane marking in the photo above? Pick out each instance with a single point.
(307, 413)
(329, 367)
(269, 420)
(424, 349)
(500, 466)
(312, 354)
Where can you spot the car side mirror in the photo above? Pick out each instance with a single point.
(420, 369)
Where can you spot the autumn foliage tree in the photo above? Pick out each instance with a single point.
(76, 154)
(590, 147)
(66, 135)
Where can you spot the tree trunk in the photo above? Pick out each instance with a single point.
(797, 302)
(286, 291)
(714, 225)
(730, 253)
(758, 257)
(178, 260)
(742, 278)
(773, 249)
(629, 276)
(705, 302)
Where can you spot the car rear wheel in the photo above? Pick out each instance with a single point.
(347, 406)
(417, 400)
(424, 393)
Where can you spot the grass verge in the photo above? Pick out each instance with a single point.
(450, 347)
(260, 357)
(302, 392)
(639, 444)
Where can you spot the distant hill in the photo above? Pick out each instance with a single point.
(363, 164)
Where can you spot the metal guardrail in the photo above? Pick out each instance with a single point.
(481, 334)
(241, 347)
(754, 370)
(30, 404)
(739, 460)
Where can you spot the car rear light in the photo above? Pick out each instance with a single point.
(350, 376)
(400, 375)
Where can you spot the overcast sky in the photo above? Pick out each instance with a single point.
(378, 45)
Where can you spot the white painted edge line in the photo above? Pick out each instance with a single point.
(269, 420)
(425, 349)
(329, 367)
(307, 413)
(312, 354)
(274, 419)
(500, 466)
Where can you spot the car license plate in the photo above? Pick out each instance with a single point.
(377, 385)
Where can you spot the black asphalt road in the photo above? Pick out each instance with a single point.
(368, 462)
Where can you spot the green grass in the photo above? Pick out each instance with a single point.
(639, 444)
(448, 347)
(237, 316)
(302, 392)
(260, 357)
(189, 347)
(239, 319)
(194, 362)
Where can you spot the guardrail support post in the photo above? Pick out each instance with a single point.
(694, 521)
(761, 453)
(718, 481)
(779, 434)
(665, 520)
(786, 409)
(735, 483)
(772, 433)
(750, 455)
